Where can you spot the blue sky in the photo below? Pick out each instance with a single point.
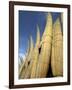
(28, 21)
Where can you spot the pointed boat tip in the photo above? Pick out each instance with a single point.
(57, 25)
(28, 45)
(28, 42)
(31, 41)
(49, 15)
(49, 19)
(30, 38)
(38, 30)
(49, 24)
(57, 22)
(38, 35)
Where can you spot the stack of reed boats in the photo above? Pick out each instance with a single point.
(47, 50)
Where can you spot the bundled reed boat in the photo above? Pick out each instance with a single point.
(25, 65)
(35, 56)
(57, 50)
(44, 57)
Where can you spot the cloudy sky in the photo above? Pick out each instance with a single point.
(28, 21)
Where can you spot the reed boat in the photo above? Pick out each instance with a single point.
(35, 56)
(44, 57)
(57, 50)
(27, 61)
(23, 63)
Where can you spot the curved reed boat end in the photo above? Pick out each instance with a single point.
(35, 55)
(44, 57)
(25, 64)
(29, 60)
(57, 50)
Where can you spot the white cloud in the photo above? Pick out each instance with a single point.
(23, 56)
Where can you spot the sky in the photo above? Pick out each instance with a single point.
(28, 21)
